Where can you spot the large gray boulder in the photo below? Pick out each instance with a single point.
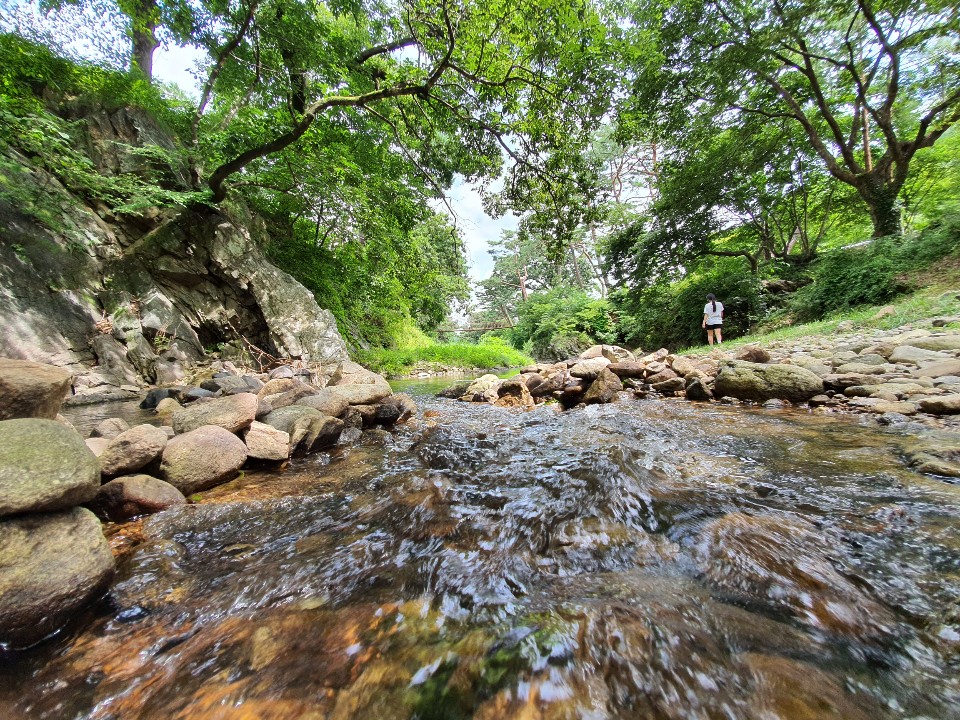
(30, 389)
(760, 382)
(51, 566)
(202, 458)
(132, 450)
(233, 413)
(44, 466)
(327, 401)
(158, 296)
(309, 429)
(133, 495)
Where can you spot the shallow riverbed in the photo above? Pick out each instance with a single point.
(645, 559)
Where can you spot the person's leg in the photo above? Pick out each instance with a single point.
(717, 333)
(709, 336)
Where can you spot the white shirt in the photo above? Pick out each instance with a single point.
(714, 317)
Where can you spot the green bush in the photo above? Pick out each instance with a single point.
(873, 273)
(561, 323)
(670, 314)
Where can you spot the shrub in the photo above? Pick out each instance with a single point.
(560, 323)
(670, 314)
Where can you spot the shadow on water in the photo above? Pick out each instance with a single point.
(641, 559)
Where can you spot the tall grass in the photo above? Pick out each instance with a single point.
(491, 353)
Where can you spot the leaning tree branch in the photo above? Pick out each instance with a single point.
(218, 179)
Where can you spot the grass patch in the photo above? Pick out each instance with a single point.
(918, 309)
(491, 353)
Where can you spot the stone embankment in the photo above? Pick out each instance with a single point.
(899, 376)
(54, 558)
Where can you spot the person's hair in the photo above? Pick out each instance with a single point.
(713, 298)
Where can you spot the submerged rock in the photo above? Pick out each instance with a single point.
(785, 562)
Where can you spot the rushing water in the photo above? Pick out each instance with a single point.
(644, 559)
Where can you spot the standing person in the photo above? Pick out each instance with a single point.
(713, 318)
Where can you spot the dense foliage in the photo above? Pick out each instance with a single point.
(653, 151)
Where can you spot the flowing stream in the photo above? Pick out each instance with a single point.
(644, 559)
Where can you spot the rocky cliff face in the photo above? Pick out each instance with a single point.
(122, 300)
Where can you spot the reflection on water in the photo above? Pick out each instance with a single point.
(636, 560)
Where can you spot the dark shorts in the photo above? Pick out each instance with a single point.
(714, 327)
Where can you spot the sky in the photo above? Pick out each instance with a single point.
(173, 65)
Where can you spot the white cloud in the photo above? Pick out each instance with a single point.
(178, 65)
(477, 227)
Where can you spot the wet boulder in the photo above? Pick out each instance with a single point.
(513, 392)
(697, 390)
(265, 442)
(44, 466)
(397, 408)
(154, 397)
(551, 384)
(132, 450)
(51, 566)
(202, 458)
(233, 413)
(31, 390)
(132, 495)
(232, 385)
(455, 391)
(483, 389)
(759, 382)
(604, 388)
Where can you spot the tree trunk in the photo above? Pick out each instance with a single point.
(881, 199)
(143, 36)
